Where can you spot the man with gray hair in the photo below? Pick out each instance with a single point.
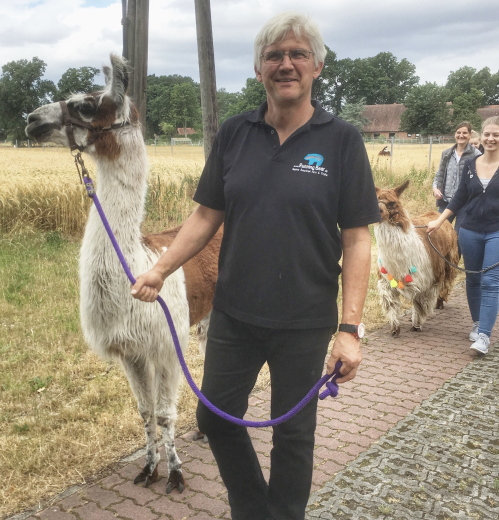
(284, 179)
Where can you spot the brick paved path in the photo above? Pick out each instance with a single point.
(396, 376)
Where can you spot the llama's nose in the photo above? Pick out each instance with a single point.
(33, 117)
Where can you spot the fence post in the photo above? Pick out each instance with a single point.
(171, 141)
(429, 155)
(391, 152)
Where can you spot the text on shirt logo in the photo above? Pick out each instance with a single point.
(314, 165)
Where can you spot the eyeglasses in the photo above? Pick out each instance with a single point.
(295, 56)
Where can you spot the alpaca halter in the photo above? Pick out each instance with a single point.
(95, 131)
(328, 379)
(393, 282)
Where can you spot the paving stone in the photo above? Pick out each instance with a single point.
(74, 500)
(54, 513)
(215, 507)
(92, 511)
(171, 508)
(103, 497)
(208, 487)
(129, 510)
(111, 481)
(139, 494)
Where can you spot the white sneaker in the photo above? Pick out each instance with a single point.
(481, 344)
(474, 332)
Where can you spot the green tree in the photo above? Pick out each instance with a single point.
(168, 130)
(354, 113)
(159, 89)
(464, 108)
(465, 79)
(427, 110)
(380, 79)
(22, 90)
(251, 97)
(224, 102)
(77, 80)
(185, 109)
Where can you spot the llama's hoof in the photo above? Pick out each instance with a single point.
(147, 477)
(416, 329)
(440, 304)
(175, 480)
(396, 332)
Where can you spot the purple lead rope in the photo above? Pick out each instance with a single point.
(332, 386)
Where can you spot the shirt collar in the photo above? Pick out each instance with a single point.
(319, 116)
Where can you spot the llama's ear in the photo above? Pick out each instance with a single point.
(400, 189)
(107, 74)
(119, 79)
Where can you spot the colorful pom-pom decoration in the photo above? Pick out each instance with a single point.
(383, 270)
(400, 285)
(412, 269)
(393, 283)
(390, 277)
(408, 279)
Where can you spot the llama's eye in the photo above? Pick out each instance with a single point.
(87, 109)
(390, 204)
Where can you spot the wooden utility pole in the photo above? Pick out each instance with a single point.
(207, 75)
(135, 50)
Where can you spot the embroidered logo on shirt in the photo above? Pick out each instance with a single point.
(314, 158)
(314, 165)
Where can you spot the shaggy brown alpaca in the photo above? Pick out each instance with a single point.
(407, 263)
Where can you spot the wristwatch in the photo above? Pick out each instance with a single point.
(358, 330)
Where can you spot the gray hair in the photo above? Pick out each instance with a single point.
(276, 29)
(494, 120)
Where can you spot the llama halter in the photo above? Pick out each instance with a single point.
(332, 386)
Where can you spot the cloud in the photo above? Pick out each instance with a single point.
(436, 36)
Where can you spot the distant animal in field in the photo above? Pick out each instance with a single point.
(385, 151)
(105, 124)
(408, 265)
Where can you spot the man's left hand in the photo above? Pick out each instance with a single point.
(346, 348)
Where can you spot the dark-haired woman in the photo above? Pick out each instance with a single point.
(450, 170)
(479, 235)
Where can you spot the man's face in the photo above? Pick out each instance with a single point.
(288, 82)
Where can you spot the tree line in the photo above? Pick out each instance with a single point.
(344, 87)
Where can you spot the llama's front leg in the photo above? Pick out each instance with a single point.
(140, 375)
(390, 303)
(166, 395)
(422, 306)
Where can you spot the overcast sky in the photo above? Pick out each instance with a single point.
(438, 36)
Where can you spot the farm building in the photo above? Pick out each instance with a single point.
(186, 131)
(384, 120)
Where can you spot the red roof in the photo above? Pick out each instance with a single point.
(188, 131)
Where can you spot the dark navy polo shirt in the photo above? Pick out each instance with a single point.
(278, 264)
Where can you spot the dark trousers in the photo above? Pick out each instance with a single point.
(235, 353)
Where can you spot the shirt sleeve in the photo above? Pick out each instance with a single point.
(461, 196)
(210, 190)
(357, 202)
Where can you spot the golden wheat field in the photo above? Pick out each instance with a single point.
(65, 415)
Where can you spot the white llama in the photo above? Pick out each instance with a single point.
(115, 325)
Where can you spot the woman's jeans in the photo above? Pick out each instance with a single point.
(481, 250)
(235, 353)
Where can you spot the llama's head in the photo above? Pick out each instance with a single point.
(96, 112)
(391, 210)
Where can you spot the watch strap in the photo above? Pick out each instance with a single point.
(344, 327)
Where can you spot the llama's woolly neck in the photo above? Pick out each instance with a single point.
(121, 188)
(399, 250)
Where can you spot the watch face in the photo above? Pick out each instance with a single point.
(361, 330)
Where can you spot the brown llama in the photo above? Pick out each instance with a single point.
(407, 264)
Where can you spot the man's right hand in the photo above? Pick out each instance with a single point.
(147, 286)
(437, 193)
